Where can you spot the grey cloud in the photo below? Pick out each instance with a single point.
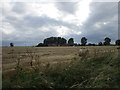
(19, 7)
(69, 7)
(26, 37)
(30, 21)
(11, 18)
(39, 21)
(27, 32)
(101, 12)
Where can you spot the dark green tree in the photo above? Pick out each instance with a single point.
(91, 44)
(107, 41)
(41, 45)
(83, 41)
(63, 41)
(71, 41)
(55, 40)
(100, 43)
(117, 42)
(11, 45)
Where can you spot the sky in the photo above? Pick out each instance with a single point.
(29, 23)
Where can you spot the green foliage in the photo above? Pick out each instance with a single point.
(83, 41)
(97, 72)
(71, 41)
(117, 42)
(100, 43)
(107, 41)
(32, 79)
(11, 45)
(55, 40)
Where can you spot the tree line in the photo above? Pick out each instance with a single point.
(60, 41)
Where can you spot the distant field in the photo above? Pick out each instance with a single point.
(46, 55)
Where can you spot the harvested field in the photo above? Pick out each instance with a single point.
(46, 55)
(46, 67)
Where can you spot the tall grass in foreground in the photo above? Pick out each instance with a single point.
(97, 72)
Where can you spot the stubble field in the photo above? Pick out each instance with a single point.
(46, 55)
(47, 67)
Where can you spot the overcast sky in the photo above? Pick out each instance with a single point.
(25, 23)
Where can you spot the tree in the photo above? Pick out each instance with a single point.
(83, 41)
(117, 42)
(11, 45)
(41, 45)
(100, 43)
(107, 41)
(91, 44)
(71, 42)
(63, 41)
(55, 40)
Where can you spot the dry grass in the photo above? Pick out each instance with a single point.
(25, 56)
(47, 67)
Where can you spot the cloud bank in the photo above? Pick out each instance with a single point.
(25, 23)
